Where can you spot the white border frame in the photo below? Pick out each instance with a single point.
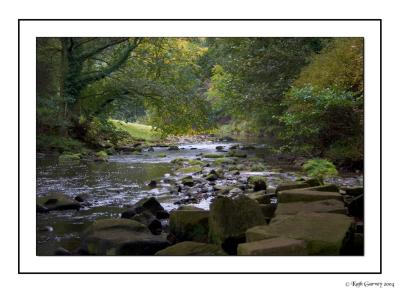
(29, 30)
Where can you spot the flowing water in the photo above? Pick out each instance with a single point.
(109, 187)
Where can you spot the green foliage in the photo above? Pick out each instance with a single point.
(102, 155)
(137, 131)
(320, 168)
(66, 157)
(104, 134)
(50, 143)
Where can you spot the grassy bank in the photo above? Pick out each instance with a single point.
(137, 131)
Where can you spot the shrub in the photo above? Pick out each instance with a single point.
(320, 169)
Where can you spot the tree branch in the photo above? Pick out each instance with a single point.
(101, 48)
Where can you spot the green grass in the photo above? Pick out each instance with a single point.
(137, 131)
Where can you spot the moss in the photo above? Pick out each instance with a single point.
(67, 157)
(254, 179)
(236, 153)
(213, 156)
(179, 161)
(226, 161)
(196, 162)
(191, 169)
(161, 155)
(259, 167)
(102, 155)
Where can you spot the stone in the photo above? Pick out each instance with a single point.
(321, 206)
(148, 219)
(190, 248)
(324, 233)
(219, 147)
(230, 218)
(306, 195)
(257, 182)
(353, 191)
(188, 181)
(268, 211)
(66, 157)
(189, 208)
(326, 187)
(189, 225)
(145, 204)
(212, 177)
(355, 206)
(101, 156)
(280, 246)
(235, 192)
(173, 148)
(152, 184)
(57, 201)
(150, 149)
(161, 215)
(236, 153)
(61, 251)
(190, 169)
(259, 196)
(291, 185)
(122, 237)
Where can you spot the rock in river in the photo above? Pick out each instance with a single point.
(56, 201)
(279, 246)
(122, 237)
(229, 220)
(192, 249)
(324, 233)
(189, 225)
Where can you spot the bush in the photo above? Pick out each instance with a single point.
(45, 143)
(320, 169)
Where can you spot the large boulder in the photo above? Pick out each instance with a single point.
(321, 206)
(306, 195)
(260, 196)
(355, 205)
(268, 211)
(257, 183)
(150, 204)
(294, 185)
(229, 220)
(121, 237)
(324, 233)
(189, 248)
(189, 225)
(56, 201)
(280, 246)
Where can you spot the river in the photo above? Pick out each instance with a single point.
(109, 187)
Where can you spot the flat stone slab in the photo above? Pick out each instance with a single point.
(57, 201)
(279, 246)
(306, 195)
(122, 237)
(324, 233)
(321, 206)
(190, 248)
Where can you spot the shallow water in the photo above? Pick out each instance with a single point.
(109, 187)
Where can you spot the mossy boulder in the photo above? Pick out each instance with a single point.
(196, 163)
(306, 195)
(321, 206)
(190, 248)
(189, 225)
(260, 196)
(188, 181)
(57, 201)
(229, 220)
(236, 153)
(353, 191)
(324, 233)
(121, 237)
(189, 170)
(225, 161)
(212, 177)
(280, 246)
(69, 157)
(101, 156)
(161, 155)
(257, 183)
